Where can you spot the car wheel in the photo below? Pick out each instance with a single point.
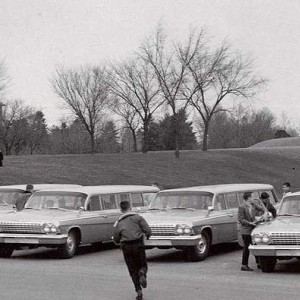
(6, 250)
(200, 251)
(267, 263)
(68, 249)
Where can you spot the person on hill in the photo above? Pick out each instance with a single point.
(1, 158)
(129, 232)
(24, 197)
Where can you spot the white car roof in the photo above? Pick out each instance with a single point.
(107, 189)
(223, 188)
(38, 186)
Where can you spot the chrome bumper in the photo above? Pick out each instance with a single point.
(33, 239)
(275, 250)
(172, 241)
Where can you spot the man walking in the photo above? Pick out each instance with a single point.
(129, 232)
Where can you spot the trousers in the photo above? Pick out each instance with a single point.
(135, 258)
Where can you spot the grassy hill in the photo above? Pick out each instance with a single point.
(283, 142)
(262, 165)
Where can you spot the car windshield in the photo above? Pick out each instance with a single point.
(56, 200)
(9, 197)
(290, 206)
(175, 200)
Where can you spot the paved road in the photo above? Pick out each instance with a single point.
(101, 274)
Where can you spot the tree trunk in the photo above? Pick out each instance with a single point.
(205, 137)
(145, 147)
(176, 136)
(92, 137)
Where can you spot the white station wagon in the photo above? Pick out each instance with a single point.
(10, 194)
(65, 218)
(194, 218)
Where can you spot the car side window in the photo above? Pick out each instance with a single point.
(220, 202)
(109, 201)
(137, 200)
(94, 204)
(232, 200)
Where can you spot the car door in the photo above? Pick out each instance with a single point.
(221, 220)
(232, 204)
(93, 221)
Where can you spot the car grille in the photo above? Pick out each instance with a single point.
(286, 238)
(20, 227)
(163, 230)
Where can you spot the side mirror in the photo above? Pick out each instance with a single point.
(15, 208)
(81, 209)
(210, 208)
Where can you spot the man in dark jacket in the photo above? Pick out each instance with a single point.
(129, 232)
(265, 198)
(24, 197)
(246, 217)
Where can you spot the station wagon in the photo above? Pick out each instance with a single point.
(68, 217)
(9, 194)
(194, 218)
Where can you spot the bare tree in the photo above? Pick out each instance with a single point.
(85, 91)
(13, 129)
(3, 77)
(215, 76)
(130, 118)
(170, 70)
(134, 83)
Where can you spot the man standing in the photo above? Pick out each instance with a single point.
(286, 189)
(246, 216)
(265, 198)
(129, 232)
(24, 197)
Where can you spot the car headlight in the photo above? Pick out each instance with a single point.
(266, 239)
(49, 228)
(256, 239)
(183, 229)
(261, 238)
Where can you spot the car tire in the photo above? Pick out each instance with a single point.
(200, 251)
(6, 250)
(68, 249)
(267, 263)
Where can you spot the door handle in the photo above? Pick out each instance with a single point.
(103, 216)
(230, 215)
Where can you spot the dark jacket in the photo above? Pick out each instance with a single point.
(270, 208)
(245, 218)
(130, 227)
(22, 200)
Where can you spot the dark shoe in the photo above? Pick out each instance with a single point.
(139, 295)
(258, 266)
(143, 279)
(246, 268)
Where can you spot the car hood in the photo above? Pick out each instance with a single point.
(36, 216)
(280, 224)
(174, 216)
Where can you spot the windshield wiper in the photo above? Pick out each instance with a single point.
(289, 215)
(58, 208)
(183, 208)
(156, 208)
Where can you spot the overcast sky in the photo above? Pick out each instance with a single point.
(38, 35)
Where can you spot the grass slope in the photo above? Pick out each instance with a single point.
(268, 165)
(283, 142)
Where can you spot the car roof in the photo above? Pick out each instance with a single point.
(38, 186)
(222, 188)
(106, 189)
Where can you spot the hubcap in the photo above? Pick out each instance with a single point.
(202, 245)
(70, 243)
